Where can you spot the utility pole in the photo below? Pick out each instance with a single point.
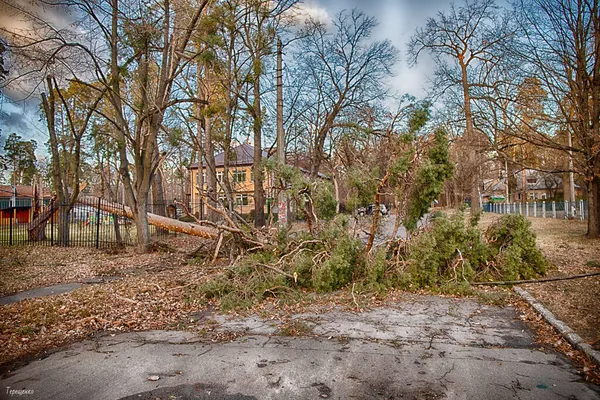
(281, 198)
(507, 200)
(571, 179)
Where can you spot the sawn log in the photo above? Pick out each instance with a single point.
(153, 219)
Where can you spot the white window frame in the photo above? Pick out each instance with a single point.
(241, 199)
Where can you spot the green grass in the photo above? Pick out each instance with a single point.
(78, 233)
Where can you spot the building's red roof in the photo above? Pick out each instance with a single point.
(22, 191)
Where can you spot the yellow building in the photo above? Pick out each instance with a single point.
(241, 161)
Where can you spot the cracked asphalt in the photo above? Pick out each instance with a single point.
(425, 348)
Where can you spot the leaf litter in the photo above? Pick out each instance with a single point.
(157, 292)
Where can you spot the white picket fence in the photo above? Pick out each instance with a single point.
(542, 209)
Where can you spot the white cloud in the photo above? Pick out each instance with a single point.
(304, 11)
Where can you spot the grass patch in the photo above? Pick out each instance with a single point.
(593, 264)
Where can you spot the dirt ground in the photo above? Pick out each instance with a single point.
(569, 252)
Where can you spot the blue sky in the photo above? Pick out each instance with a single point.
(397, 22)
(398, 19)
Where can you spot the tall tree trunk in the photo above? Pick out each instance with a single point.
(593, 230)
(112, 196)
(473, 141)
(282, 202)
(226, 183)
(63, 225)
(199, 185)
(211, 170)
(116, 101)
(259, 194)
(319, 143)
(141, 224)
(60, 184)
(159, 205)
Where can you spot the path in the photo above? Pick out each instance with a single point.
(426, 347)
(54, 289)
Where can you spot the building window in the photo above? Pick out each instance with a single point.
(239, 176)
(219, 176)
(241, 199)
(543, 196)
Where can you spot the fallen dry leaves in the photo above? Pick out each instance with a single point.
(148, 296)
(156, 291)
(569, 252)
(548, 338)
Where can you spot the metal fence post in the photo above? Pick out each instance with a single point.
(534, 209)
(98, 225)
(553, 209)
(10, 228)
(567, 205)
(581, 216)
(520, 208)
(52, 211)
(543, 209)
(527, 209)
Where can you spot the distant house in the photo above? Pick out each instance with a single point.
(241, 176)
(540, 186)
(17, 202)
(494, 190)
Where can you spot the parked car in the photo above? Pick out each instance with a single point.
(369, 210)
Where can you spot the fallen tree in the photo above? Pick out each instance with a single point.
(37, 227)
(153, 219)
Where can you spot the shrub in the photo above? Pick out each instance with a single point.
(449, 251)
(324, 200)
(345, 256)
(514, 243)
(453, 252)
(446, 257)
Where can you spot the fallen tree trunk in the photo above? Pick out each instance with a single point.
(153, 219)
(37, 227)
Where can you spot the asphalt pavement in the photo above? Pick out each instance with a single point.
(424, 347)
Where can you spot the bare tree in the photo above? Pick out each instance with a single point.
(66, 163)
(464, 43)
(153, 98)
(341, 70)
(560, 47)
(258, 30)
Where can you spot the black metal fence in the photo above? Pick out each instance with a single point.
(100, 226)
(542, 209)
